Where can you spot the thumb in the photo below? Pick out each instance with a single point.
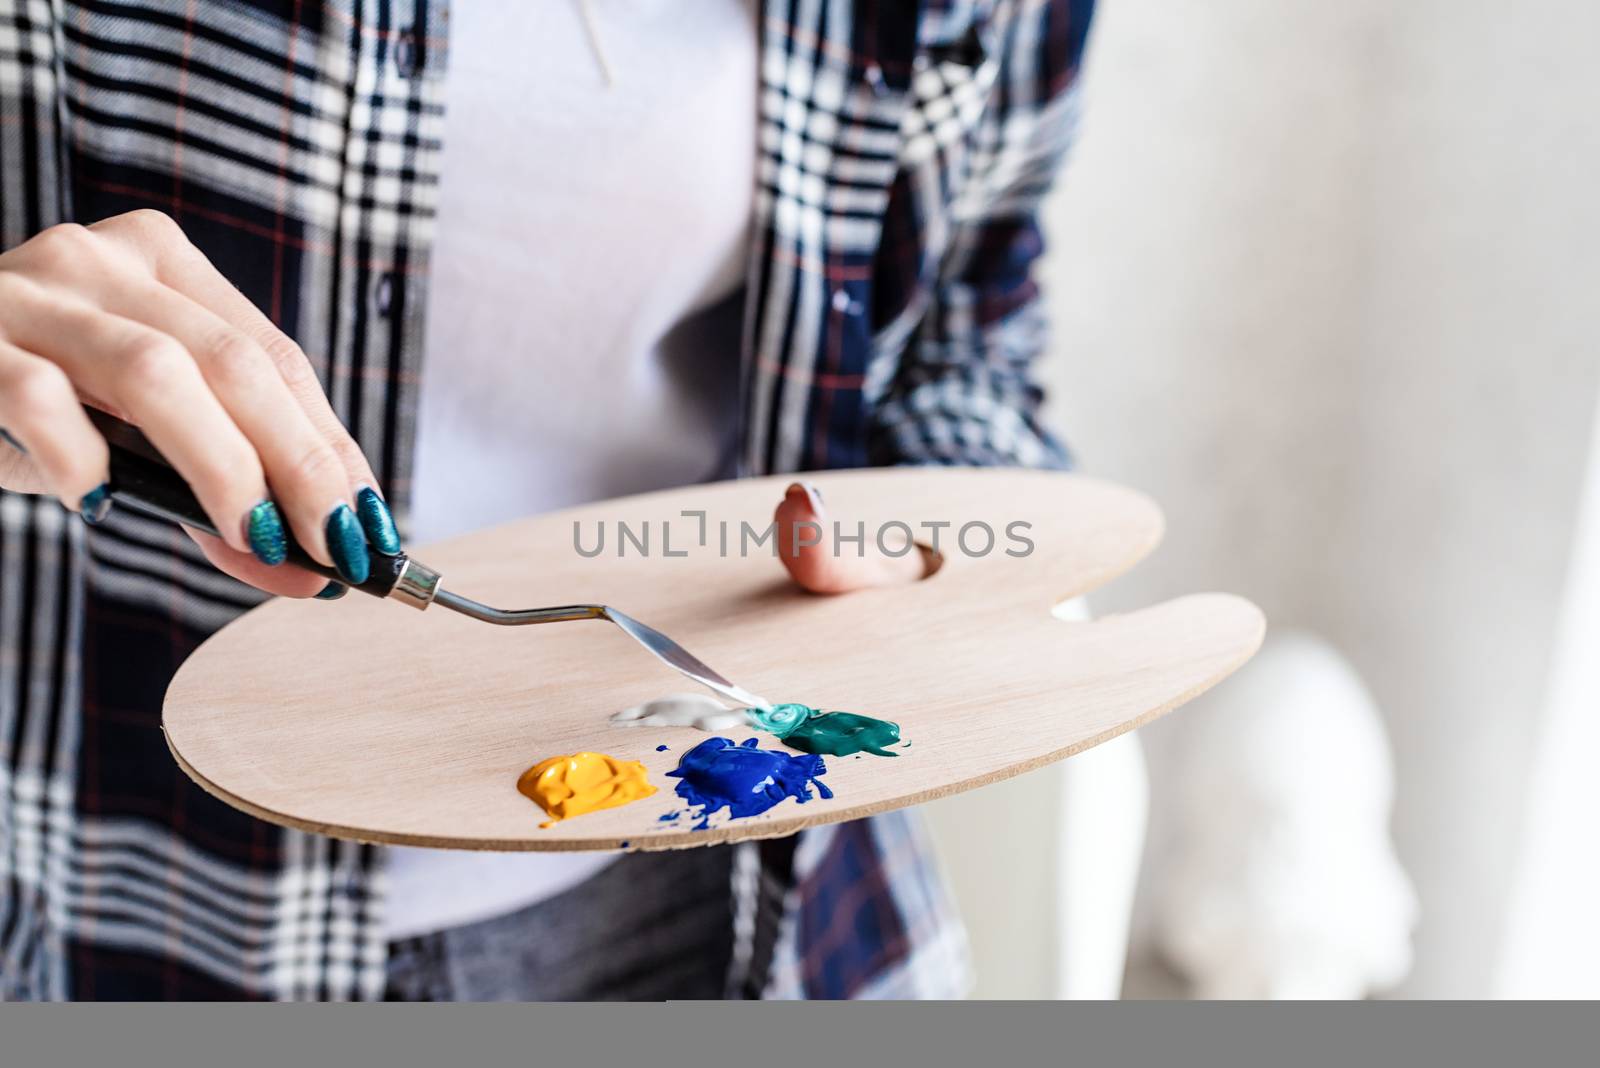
(809, 551)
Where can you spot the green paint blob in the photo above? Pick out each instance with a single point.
(781, 719)
(827, 733)
(843, 733)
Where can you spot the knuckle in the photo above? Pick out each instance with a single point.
(64, 232)
(33, 390)
(227, 471)
(350, 454)
(151, 224)
(316, 464)
(149, 364)
(232, 358)
(14, 288)
(291, 363)
(64, 245)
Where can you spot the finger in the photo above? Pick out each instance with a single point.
(41, 411)
(18, 473)
(150, 376)
(808, 550)
(284, 581)
(309, 481)
(178, 264)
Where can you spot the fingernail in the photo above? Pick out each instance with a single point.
(813, 494)
(263, 529)
(332, 591)
(377, 521)
(96, 504)
(347, 545)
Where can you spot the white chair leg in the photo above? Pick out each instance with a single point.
(1073, 872)
(1105, 800)
(1105, 807)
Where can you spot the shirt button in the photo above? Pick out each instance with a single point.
(383, 295)
(405, 52)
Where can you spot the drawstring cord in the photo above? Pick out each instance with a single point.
(593, 33)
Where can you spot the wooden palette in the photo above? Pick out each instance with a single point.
(367, 719)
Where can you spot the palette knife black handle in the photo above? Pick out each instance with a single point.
(142, 480)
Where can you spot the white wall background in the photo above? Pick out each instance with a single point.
(1552, 925)
(1324, 279)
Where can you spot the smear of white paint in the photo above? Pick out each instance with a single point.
(684, 710)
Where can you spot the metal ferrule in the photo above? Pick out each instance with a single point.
(416, 585)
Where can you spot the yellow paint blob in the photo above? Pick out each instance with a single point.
(567, 786)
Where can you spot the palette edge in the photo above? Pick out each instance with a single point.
(749, 830)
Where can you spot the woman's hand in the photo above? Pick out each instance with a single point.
(131, 318)
(806, 547)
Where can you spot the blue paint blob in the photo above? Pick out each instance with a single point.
(718, 774)
(669, 817)
(661, 749)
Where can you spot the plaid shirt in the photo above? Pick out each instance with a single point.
(891, 319)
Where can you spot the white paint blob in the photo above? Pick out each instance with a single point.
(684, 710)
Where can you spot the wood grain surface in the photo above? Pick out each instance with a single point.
(367, 719)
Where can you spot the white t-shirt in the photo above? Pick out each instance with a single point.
(584, 311)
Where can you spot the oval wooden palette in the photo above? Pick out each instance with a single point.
(367, 719)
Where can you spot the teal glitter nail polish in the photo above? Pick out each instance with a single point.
(96, 504)
(263, 529)
(332, 591)
(347, 545)
(377, 521)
